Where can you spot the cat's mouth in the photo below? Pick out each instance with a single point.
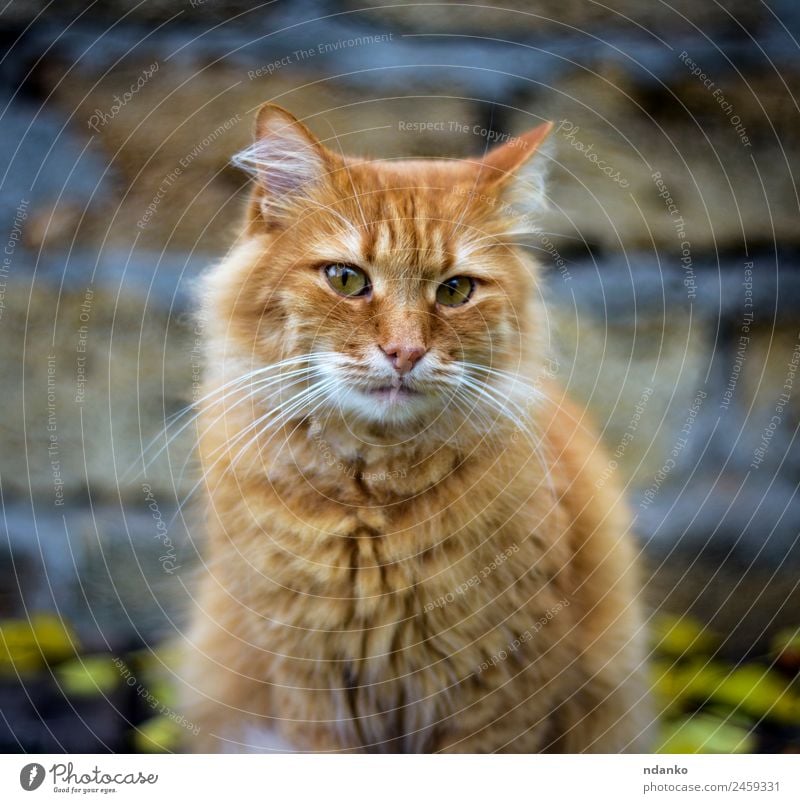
(392, 393)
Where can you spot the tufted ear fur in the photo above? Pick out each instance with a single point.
(512, 171)
(287, 161)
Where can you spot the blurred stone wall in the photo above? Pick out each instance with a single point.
(672, 247)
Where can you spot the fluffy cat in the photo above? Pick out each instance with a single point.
(406, 548)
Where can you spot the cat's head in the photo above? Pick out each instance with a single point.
(390, 291)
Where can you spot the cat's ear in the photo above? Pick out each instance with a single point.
(510, 169)
(286, 160)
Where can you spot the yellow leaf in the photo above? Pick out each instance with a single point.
(680, 636)
(759, 692)
(751, 689)
(23, 661)
(158, 735)
(684, 681)
(28, 644)
(92, 674)
(55, 638)
(164, 692)
(703, 733)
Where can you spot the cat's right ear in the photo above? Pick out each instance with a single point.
(286, 160)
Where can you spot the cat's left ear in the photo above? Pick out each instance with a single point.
(287, 161)
(511, 167)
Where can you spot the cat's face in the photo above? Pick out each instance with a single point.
(390, 288)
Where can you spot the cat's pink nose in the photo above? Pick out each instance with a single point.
(404, 356)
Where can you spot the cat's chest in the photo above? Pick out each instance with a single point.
(351, 559)
(322, 465)
(382, 608)
(370, 660)
(392, 645)
(388, 599)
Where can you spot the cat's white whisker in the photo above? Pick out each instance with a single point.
(498, 403)
(252, 391)
(256, 396)
(241, 379)
(323, 394)
(229, 388)
(295, 402)
(283, 411)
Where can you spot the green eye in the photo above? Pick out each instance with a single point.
(455, 291)
(347, 280)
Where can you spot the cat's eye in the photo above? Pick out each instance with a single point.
(455, 291)
(347, 280)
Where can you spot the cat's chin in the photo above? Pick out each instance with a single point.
(389, 406)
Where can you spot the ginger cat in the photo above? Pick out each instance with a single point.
(406, 548)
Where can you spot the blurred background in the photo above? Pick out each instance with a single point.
(671, 253)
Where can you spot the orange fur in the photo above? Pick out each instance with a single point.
(437, 573)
